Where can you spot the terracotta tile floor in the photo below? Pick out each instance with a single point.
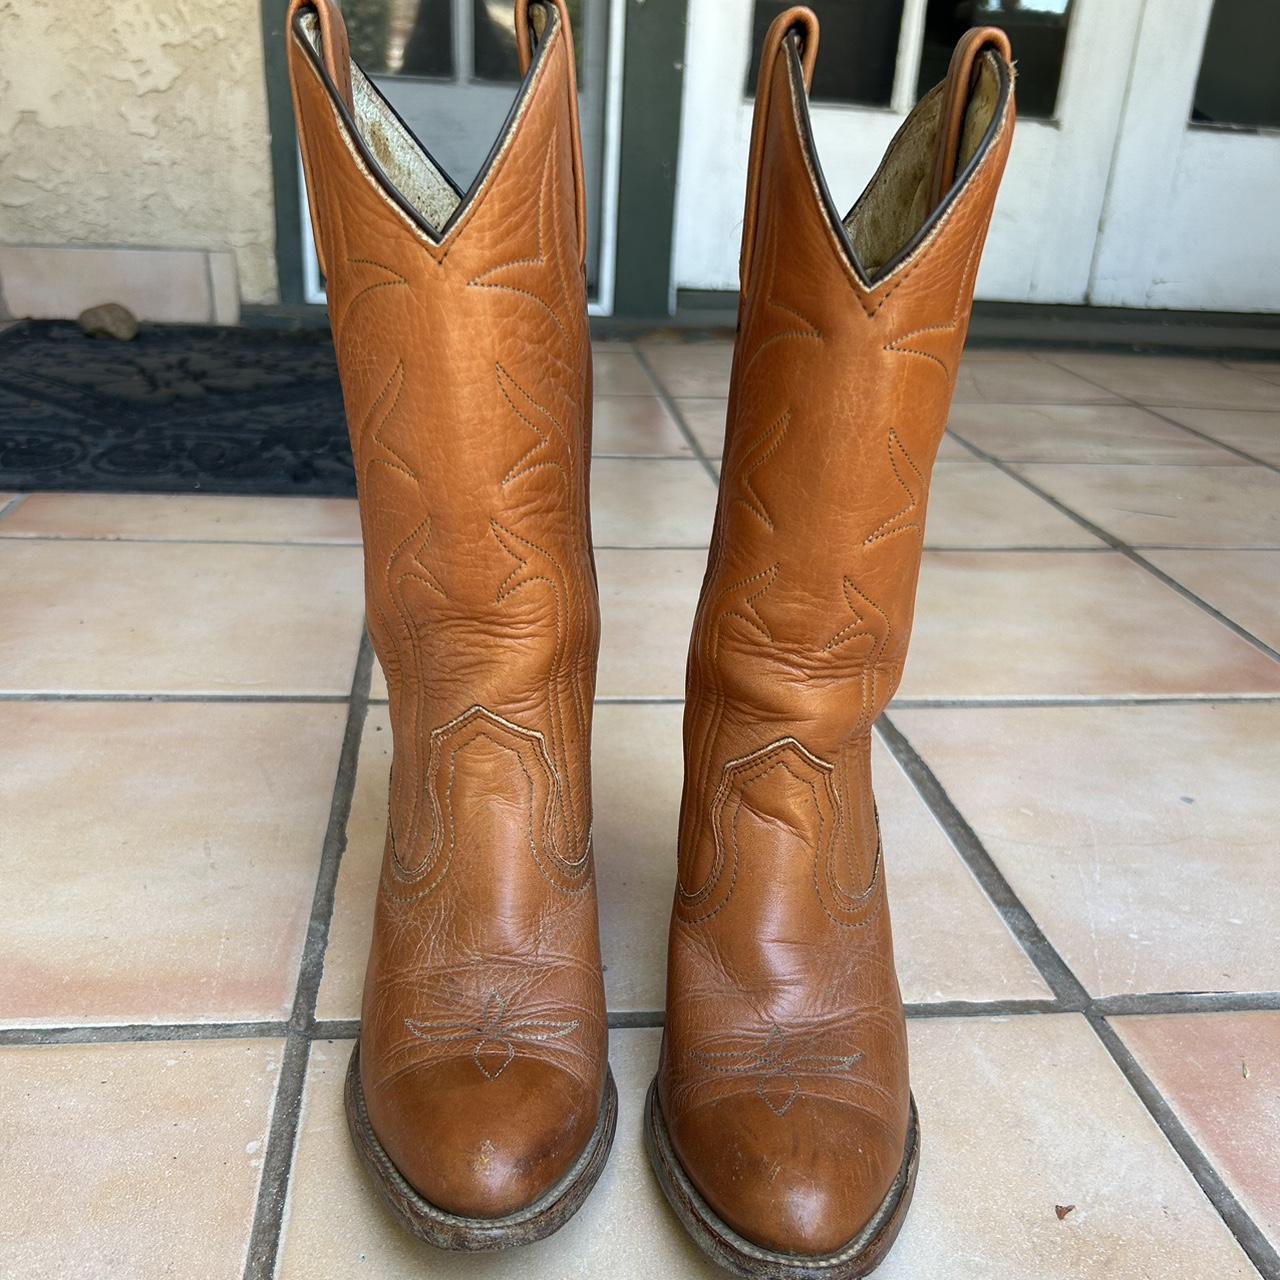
(1077, 782)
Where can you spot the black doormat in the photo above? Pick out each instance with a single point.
(180, 409)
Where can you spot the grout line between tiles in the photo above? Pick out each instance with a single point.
(633, 1018)
(8, 508)
(115, 539)
(638, 700)
(1136, 700)
(637, 546)
(1071, 996)
(904, 703)
(673, 409)
(1250, 367)
(335, 1029)
(1157, 411)
(141, 1032)
(273, 1188)
(642, 457)
(303, 698)
(1248, 1234)
(1166, 1002)
(1116, 544)
(1066, 987)
(1121, 1006)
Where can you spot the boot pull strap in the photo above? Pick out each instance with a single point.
(532, 20)
(335, 51)
(955, 103)
(800, 23)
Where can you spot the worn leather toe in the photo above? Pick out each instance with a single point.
(482, 1146)
(805, 1182)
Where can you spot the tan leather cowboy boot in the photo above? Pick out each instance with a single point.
(781, 1124)
(479, 1095)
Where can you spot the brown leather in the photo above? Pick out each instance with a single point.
(959, 82)
(465, 368)
(783, 1079)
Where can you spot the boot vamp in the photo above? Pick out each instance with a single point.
(484, 1034)
(784, 1083)
(487, 1133)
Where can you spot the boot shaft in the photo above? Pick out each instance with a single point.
(850, 334)
(459, 320)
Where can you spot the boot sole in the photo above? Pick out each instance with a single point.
(445, 1230)
(724, 1246)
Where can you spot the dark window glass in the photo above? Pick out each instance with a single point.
(1239, 81)
(401, 37)
(859, 48)
(493, 40)
(1037, 30)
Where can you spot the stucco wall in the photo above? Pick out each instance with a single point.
(140, 123)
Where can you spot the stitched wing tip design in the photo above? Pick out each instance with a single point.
(940, 334)
(871, 620)
(537, 456)
(761, 450)
(523, 552)
(772, 1063)
(494, 1033)
(903, 465)
(401, 566)
(538, 275)
(746, 601)
(777, 321)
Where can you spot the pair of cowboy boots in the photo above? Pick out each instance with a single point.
(780, 1123)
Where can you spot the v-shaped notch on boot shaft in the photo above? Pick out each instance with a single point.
(404, 170)
(933, 161)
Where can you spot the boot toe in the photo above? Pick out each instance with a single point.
(482, 1147)
(805, 1183)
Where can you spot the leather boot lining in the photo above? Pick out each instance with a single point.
(895, 204)
(399, 154)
